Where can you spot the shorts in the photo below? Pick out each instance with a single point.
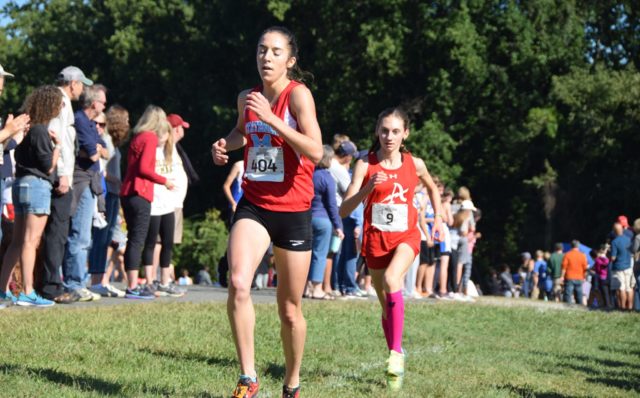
(427, 254)
(623, 280)
(382, 262)
(31, 195)
(287, 230)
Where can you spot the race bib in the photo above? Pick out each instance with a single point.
(390, 217)
(265, 164)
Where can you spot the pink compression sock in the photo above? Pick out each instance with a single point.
(385, 329)
(395, 320)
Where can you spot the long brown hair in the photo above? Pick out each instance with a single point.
(295, 72)
(117, 124)
(43, 104)
(392, 111)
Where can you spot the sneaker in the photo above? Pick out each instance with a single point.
(445, 297)
(289, 392)
(8, 298)
(177, 288)
(356, 294)
(140, 293)
(168, 290)
(371, 292)
(106, 291)
(246, 388)
(85, 294)
(33, 300)
(115, 292)
(395, 370)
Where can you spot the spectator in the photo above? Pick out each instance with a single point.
(86, 186)
(526, 270)
(71, 82)
(507, 288)
(36, 159)
(137, 192)
(427, 260)
(117, 128)
(11, 128)
(324, 220)
(446, 247)
(574, 269)
(541, 277)
(622, 278)
(555, 271)
(185, 279)
(204, 278)
(599, 283)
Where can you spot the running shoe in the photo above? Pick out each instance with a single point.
(289, 392)
(168, 290)
(246, 388)
(107, 291)
(355, 294)
(85, 294)
(33, 300)
(140, 293)
(395, 370)
(8, 298)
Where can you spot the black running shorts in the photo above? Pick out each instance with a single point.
(427, 254)
(288, 230)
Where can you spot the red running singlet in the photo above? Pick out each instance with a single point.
(276, 177)
(389, 215)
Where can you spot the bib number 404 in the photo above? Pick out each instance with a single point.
(263, 165)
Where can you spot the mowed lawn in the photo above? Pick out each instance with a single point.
(454, 350)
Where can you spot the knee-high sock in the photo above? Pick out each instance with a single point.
(385, 329)
(395, 319)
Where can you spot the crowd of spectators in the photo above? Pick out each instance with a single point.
(72, 221)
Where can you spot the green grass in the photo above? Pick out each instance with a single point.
(455, 350)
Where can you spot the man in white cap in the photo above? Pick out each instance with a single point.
(12, 127)
(71, 81)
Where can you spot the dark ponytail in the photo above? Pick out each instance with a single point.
(397, 112)
(295, 72)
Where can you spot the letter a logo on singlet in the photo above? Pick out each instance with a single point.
(264, 142)
(398, 192)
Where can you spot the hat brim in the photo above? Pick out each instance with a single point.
(185, 124)
(5, 73)
(86, 82)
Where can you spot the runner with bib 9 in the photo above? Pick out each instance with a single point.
(385, 181)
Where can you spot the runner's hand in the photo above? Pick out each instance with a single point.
(258, 104)
(219, 152)
(437, 230)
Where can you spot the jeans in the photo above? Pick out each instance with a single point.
(347, 259)
(102, 236)
(53, 245)
(137, 214)
(322, 232)
(571, 285)
(79, 242)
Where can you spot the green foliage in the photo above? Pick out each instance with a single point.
(499, 91)
(204, 242)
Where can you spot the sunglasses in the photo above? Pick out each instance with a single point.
(103, 125)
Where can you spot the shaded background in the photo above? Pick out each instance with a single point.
(534, 105)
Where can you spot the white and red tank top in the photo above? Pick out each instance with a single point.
(390, 217)
(276, 177)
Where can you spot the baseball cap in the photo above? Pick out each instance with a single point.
(4, 72)
(347, 148)
(467, 205)
(623, 221)
(74, 73)
(176, 120)
(525, 255)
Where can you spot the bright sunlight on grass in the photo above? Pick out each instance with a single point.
(454, 350)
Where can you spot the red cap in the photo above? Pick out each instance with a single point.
(623, 221)
(175, 120)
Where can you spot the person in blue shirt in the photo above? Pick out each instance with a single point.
(622, 278)
(541, 277)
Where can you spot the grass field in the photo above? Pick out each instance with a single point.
(454, 350)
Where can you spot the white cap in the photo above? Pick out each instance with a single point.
(4, 72)
(74, 73)
(467, 205)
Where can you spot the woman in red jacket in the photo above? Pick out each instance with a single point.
(137, 192)
(386, 181)
(277, 126)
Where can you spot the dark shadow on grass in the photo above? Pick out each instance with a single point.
(79, 382)
(608, 372)
(184, 356)
(527, 391)
(617, 350)
(275, 370)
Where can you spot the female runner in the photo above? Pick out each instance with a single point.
(277, 126)
(386, 181)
